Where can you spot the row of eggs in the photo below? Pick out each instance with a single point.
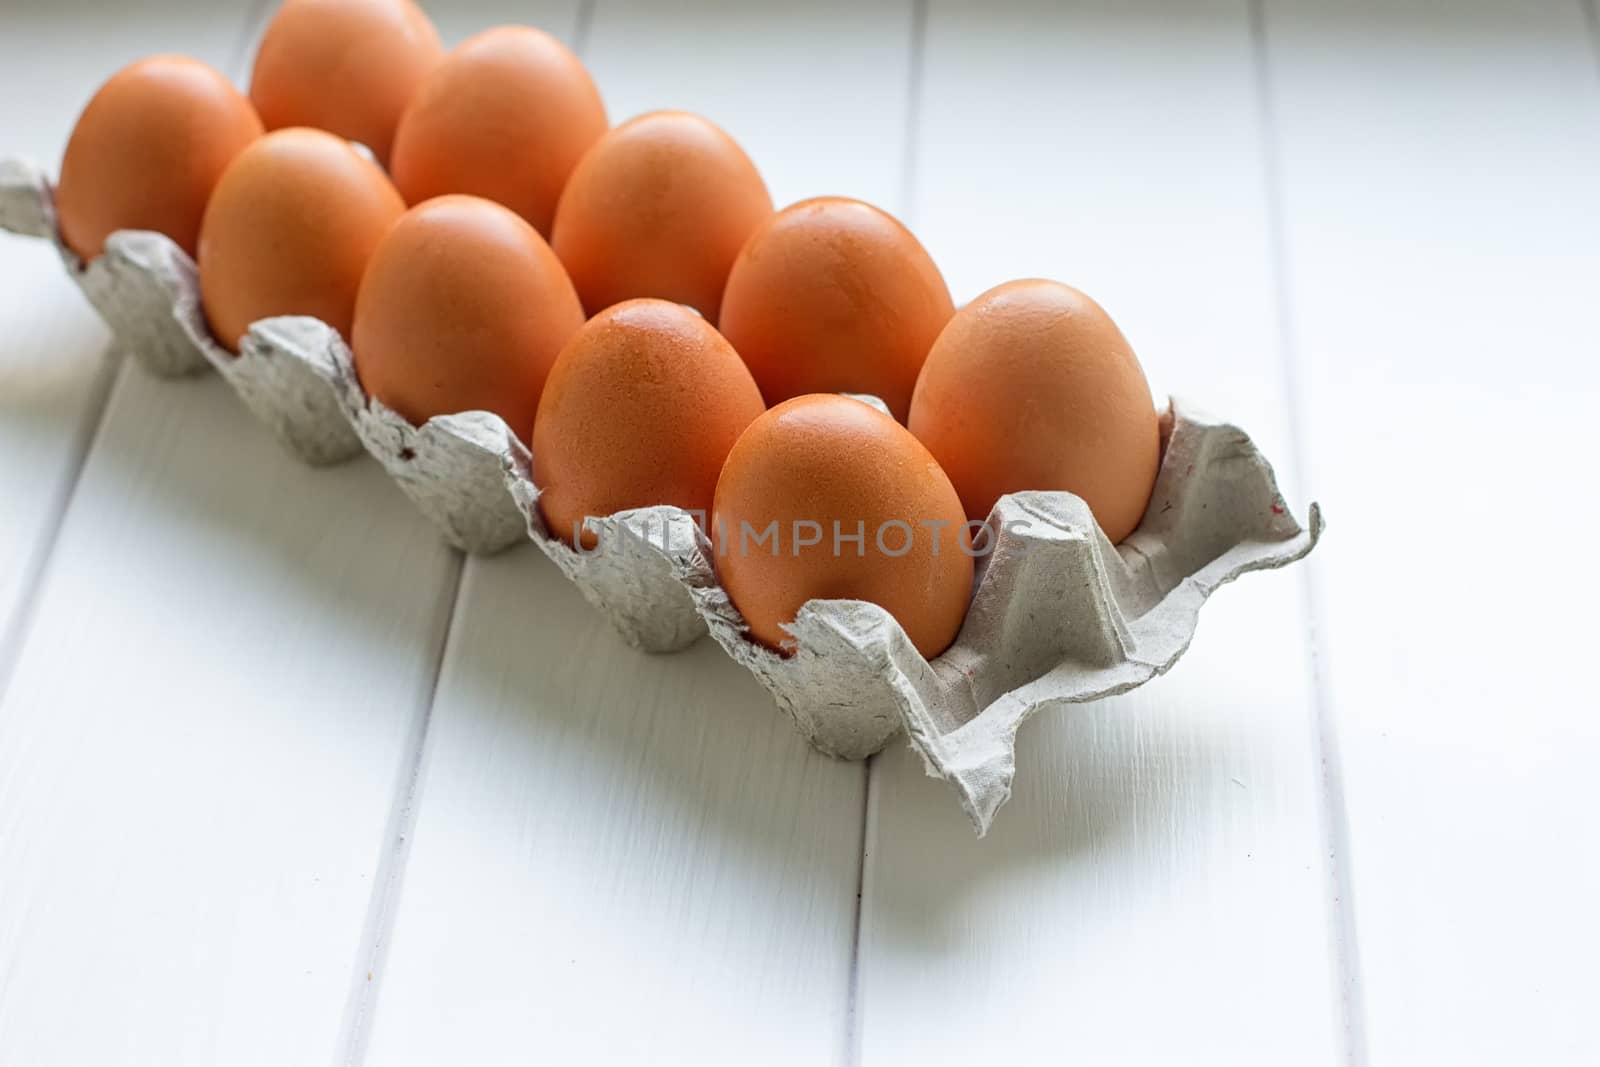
(626, 298)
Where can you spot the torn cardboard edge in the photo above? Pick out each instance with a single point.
(293, 373)
(1058, 615)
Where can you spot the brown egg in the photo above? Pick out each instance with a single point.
(1032, 386)
(834, 296)
(289, 231)
(640, 409)
(147, 152)
(463, 308)
(814, 472)
(660, 206)
(505, 116)
(346, 66)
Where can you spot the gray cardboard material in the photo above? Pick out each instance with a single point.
(1059, 615)
(288, 373)
(147, 290)
(639, 574)
(27, 207)
(138, 285)
(294, 373)
(452, 467)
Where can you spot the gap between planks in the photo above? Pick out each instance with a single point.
(1349, 1006)
(108, 375)
(355, 1028)
(366, 981)
(905, 211)
(1590, 10)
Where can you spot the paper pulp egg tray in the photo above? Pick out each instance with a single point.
(1058, 616)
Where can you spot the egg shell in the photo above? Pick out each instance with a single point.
(1032, 386)
(849, 468)
(147, 152)
(289, 231)
(832, 295)
(641, 409)
(346, 66)
(659, 206)
(506, 116)
(463, 308)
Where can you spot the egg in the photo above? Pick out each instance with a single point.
(289, 231)
(641, 408)
(834, 295)
(1032, 386)
(147, 152)
(659, 206)
(463, 308)
(505, 116)
(346, 66)
(825, 497)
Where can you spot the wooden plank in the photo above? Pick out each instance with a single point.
(629, 857)
(198, 749)
(618, 856)
(1440, 167)
(54, 374)
(816, 93)
(216, 706)
(1155, 891)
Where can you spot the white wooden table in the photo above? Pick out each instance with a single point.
(284, 781)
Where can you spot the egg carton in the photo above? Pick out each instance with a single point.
(1059, 615)
(293, 373)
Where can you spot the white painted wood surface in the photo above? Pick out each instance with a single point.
(54, 372)
(199, 745)
(1157, 878)
(1441, 165)
(629, 815)
(815, 92)
(215, 702)
(257, 806)
(619, 857)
